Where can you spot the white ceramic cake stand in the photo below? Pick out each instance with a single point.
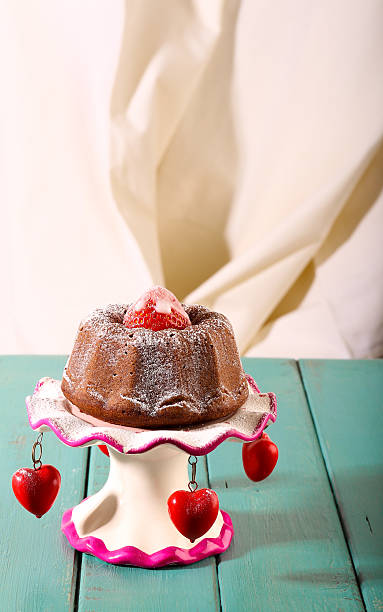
(127, 521)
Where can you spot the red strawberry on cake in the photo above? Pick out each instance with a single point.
(155, 363)
(157, 309)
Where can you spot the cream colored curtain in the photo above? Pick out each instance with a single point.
(229, 150)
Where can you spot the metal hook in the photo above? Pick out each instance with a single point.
(193, 485)
(37, 463)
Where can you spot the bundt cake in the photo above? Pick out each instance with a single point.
(155, 364)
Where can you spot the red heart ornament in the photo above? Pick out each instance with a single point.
(104, 449)
(259, 458)
(36, 490)
(193, 513)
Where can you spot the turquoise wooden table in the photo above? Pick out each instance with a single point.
(310, 537)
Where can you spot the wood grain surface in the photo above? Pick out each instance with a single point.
(304, 538)
(38, 570)
(289, 551)
(346, 400)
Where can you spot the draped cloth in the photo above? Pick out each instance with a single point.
(229, 150)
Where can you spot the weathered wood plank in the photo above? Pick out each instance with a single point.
(37, 567)
(289, 552)
(346, 400)
(108, 587)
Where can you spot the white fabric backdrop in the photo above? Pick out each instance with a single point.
(229, 150)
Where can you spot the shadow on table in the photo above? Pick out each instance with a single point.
(326, 577)
(359, 499)
(242, 482)
(271, 530)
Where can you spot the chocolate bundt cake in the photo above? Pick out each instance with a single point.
(143, 378)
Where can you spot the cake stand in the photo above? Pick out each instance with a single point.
(127, 521)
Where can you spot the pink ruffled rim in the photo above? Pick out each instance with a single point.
(171, 439)
(130, 555)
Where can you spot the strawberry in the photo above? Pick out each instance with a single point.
(157, 309)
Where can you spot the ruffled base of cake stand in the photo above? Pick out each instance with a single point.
(130, 555)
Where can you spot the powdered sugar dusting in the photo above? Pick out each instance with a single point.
(48, 407)
(163, 306)
(139, 305)
(161, 385)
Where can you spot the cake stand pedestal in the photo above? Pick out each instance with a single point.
(127, 521)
